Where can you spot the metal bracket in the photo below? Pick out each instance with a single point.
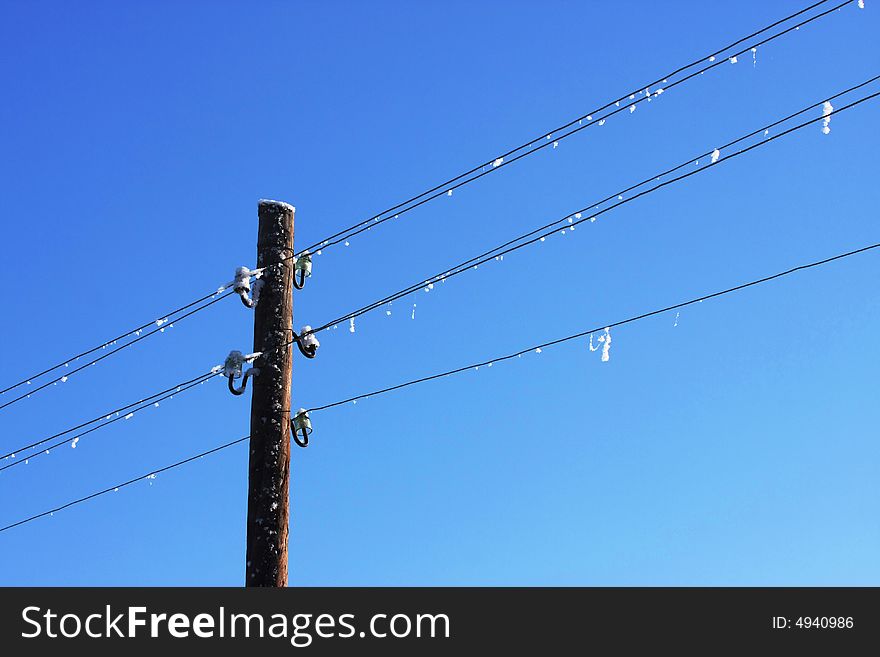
(242, 286)
(232, 367)
(301, 424)
(302, 269)
(307, 342)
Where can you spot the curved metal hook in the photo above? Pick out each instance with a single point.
(309, 351)
(302, 269)
(305, 437)
(236, 391)
(240, 391)
(242, 285)
(301, 424)
(243, 294)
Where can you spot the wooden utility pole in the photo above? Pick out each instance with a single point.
(268, 512)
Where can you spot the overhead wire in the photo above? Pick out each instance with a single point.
(494, 164)
(129, 482)
(458, 370)
(541, 233)
(602, 327)
(108, 418)
(419, 199)
(70, 372)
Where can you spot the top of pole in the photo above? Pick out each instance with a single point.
(280, 205)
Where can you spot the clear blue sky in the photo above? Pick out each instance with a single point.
(738, 447)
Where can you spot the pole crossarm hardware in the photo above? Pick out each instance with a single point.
(301, 425)
(232, 369)
(306, 341)
(250, 294)
(302, 269)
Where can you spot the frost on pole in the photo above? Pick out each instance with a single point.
(827, 109)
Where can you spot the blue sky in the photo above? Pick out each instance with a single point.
(738, 447)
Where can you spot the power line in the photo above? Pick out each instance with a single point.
(420, 198)
(600, 328)
(124, 484)
(457, 371)
(537, 235)
(152, 399)
(501, 161)
(159, 328)
(132, 409)
(135, 331)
